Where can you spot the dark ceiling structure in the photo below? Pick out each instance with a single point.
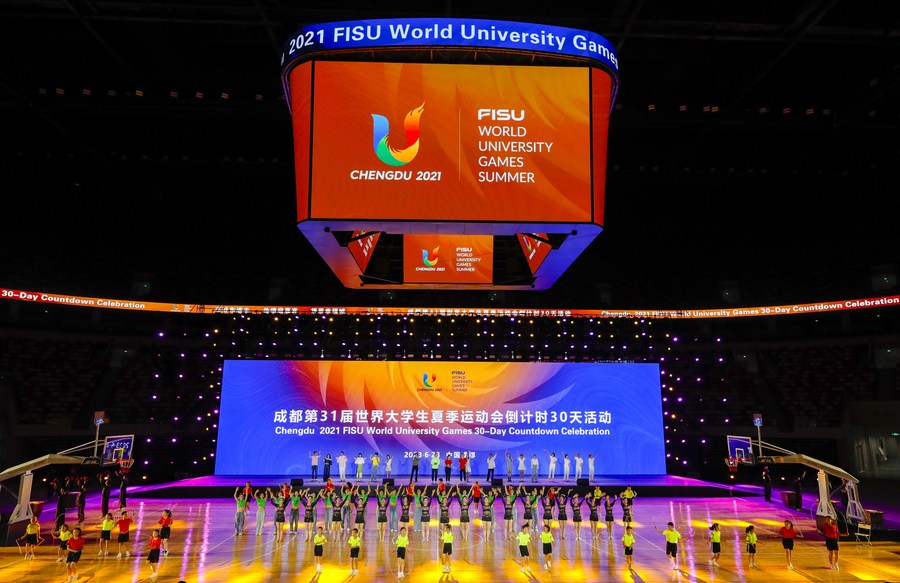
(753, 152)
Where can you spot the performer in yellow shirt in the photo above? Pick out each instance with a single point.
(715, 542)
(354, 541)
(105, 533)
(32, 536)
(524, 538)
(751, 545)
(547, 541)
(319, 548)
(628, 543)
(64, 536)
(402, 541)
(672, 538)
(447, 550)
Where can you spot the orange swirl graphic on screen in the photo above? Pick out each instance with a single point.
(430, 259)
(381, 129)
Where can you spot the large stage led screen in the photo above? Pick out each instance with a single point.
(274, 413)
(413, 141)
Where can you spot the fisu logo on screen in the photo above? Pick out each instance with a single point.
(381, 129)
(428, 383)
(430, 259)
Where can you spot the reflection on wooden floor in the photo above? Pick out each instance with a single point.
(204, 548)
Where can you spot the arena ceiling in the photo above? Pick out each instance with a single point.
(753, 149)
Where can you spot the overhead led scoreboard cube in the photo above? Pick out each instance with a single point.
(449, 153)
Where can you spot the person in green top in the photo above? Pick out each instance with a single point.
(524, 538)
(402, 541)
(261, 498)
(672, 537)
(393, 518)
(751, 545)
(64, 536)
(362, 496)
(628, 543)
(295, 512)
(32, 536)
(108, 523)
(319, 542)
(354, 541)
(447, 549)
(329, 508)
(376, 461)
(715, 544)
(238, 516)
(547, 542)
(435, 465)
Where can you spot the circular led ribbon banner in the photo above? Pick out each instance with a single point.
(484, 36)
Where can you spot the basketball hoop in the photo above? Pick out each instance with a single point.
(125, 465)
(732, 463)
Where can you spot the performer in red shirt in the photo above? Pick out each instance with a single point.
(165, 529)
(124, 525)
(153, 557)
(830, 531)
(463, 465)
(448, 466)
(476, 495)
(788, 534)
(74, 544)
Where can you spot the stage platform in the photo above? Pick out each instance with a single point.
(205, 548)
(646, 486)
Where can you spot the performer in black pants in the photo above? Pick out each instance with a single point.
(798, 490)
(105, 488)
(123, 492)
(767, 483)
(326, 473)
(448, 467)
(61, 507)
(414, 472)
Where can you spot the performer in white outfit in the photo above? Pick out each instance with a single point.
(551, 467)
(342, 466)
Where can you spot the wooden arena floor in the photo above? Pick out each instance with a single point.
(204, 548)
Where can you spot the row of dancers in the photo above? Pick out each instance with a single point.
(517, 463)
(71, 542)
(347, 507)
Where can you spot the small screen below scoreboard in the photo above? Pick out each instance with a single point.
(448, 258)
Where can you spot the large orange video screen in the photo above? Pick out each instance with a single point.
(448, 258)
(449, 142)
